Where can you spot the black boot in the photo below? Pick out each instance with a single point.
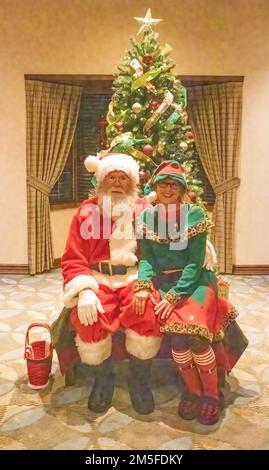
(138, 383)
(71, 375)
(221, 386)
(102, 392)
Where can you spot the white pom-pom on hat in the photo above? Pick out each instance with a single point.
(151, 197)
(91, 163)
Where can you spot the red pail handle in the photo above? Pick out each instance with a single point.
(33, 325)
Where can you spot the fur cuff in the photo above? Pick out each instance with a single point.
(143, 347)
(73, 288)
(94, 353)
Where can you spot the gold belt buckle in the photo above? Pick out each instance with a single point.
(109, 266)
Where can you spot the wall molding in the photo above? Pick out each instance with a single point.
(239, 269)
(251, 269)
(14, 269)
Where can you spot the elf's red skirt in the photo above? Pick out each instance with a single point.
(203, 313)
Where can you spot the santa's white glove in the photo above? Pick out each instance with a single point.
(88, 307)
(210, 257)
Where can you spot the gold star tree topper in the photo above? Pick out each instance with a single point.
(147, 22)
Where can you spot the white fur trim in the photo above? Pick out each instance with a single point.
(151, 197)
(91, 163)
(117, 162)
(122, 250)
(72, 289)
(94, 353)
(210, 261)
(118, 280)
(143, 347)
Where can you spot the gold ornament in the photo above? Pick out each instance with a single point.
(136, 108)
(168, 99)
(161, 147)
(110, 115)
(147, 22)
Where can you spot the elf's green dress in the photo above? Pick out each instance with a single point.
(199, 310)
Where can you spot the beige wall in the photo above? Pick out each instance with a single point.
(60, 222)
(209, 37)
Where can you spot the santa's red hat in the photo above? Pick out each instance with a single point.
(104, 163)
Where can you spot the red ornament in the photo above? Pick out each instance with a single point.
(120, 126)
(193, 196)
(189, 135)
(142, 175)
(148, 150)
(147, 59)
(154, 105)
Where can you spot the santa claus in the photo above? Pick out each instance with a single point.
(99, 270)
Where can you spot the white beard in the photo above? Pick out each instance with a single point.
(122, 241)
(118, 204)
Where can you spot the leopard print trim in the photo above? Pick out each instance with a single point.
(203, 226)
(186, 329)
(172, 298)
(141, 285)
(230, 317)
(200, 330)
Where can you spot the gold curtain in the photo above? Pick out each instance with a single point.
(215, 115)
(51, 111)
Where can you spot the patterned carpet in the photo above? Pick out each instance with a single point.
(57, 417)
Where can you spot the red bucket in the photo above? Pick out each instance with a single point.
(38, 355)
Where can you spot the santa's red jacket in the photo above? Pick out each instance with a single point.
(91, 240)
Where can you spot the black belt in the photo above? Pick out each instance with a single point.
(167, 278)
(105, 267)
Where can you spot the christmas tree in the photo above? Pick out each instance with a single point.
(147, 116)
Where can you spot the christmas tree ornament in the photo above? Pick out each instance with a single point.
(142, 176)
(188, 135)
(147, 150)
(193, 196)
(166, 49)
(161, 147)
(184, 116)
(110, 114)
(120, 126)
(147, 59)
(168, 99)
(136, 107)
(137, 67)
(147, 22)
(151, 88)
(183, 146)
(154, 105)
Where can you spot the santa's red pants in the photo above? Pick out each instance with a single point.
(118, 314)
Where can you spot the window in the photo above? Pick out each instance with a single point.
(74, 184)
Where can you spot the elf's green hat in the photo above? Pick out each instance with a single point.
(167, 169)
